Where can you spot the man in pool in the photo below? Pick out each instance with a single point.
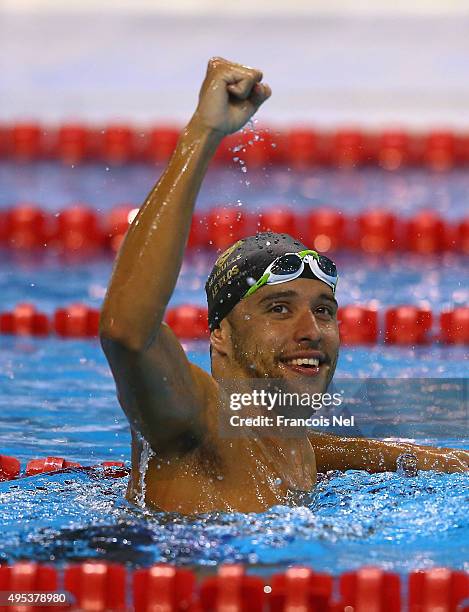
(271, 316)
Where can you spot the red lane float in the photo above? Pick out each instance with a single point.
(260, 148)
(118, 144)
(377, 232)
(79, 229)
(233, 590)
(28, 576)
(323, 229)
(25, 142)
(302, 148)
(454, 326)
(226, 225)
(438, 589)
(348, 148)
(163, 587)
(49, 464)
(358, 325)
(427, 233)
(188, 322)
(463, 236)
(407, 325)
(404, 325)
(393, 150)
(440, 150)
(279, 220)
(199, 232)
(26, 227)
(76, 321)
(300, 588)
(73, 144)
(24, 320)
(97, 586)
(116, 469)
(10, 467)
(370, 588)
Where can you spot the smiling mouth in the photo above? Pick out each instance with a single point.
(304, 366)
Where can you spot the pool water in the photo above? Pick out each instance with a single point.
(57, 397)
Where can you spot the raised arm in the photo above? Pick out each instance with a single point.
(336, 453)
(162, 394)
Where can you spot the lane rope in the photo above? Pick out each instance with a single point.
(297, 147)
(405, 325)
(10, 467)
(96, 585)
(80, 229)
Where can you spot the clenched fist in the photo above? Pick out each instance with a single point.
(229, 96)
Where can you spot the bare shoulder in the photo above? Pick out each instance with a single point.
(166, 398)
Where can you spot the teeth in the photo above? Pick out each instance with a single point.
(300, 362)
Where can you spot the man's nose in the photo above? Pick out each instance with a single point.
(307, 327)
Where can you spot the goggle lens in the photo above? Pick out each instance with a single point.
(286, 264)
(327, 266)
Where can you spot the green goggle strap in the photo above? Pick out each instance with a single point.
(265, 277)
(262, 281)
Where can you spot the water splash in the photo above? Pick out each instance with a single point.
(145, 456)
(401, 524)
(251, 138)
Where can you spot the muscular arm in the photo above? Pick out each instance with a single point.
(162, 394)
(150, 259)
(335, 453)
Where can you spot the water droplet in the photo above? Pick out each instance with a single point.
(406, 465)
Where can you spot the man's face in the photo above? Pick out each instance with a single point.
(281, 331)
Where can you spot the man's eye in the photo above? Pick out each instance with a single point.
(325, 310)
(279, 309)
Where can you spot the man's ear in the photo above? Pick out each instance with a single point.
(220, 338)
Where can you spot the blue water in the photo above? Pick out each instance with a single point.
(58, 398)
(54, 186)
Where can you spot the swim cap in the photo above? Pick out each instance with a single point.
(240, 266)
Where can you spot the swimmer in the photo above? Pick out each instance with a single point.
(272, 314)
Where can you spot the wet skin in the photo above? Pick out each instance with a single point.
(277, 323)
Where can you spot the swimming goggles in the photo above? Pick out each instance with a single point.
(291, 265)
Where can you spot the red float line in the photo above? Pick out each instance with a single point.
(97, 586)
(298, 147)
(10, 467)
(404, 325)
(81, 230)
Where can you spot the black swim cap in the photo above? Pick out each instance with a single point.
(240, 266)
